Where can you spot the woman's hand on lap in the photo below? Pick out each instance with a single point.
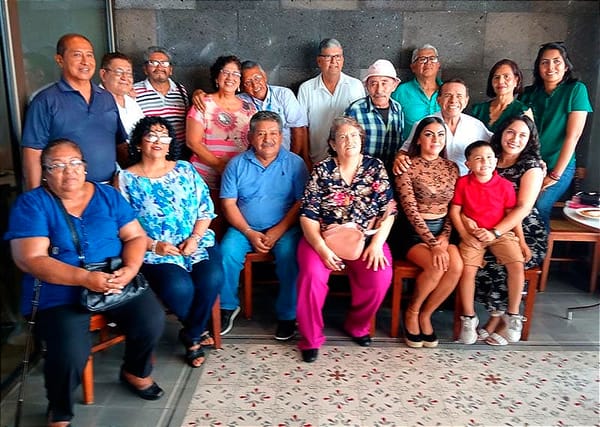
(375, 257)
(440, 257)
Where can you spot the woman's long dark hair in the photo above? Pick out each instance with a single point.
(414, 148)
(142, 128)
(569, 76)
(531, 150)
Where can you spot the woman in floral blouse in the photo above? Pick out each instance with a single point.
(182, 261)
(346, 187)
(425, 191)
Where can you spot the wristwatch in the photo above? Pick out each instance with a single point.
(196, 237)
(497, 234)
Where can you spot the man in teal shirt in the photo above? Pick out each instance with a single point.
(418, 97)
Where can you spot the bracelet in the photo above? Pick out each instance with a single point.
(196, 237)
(554, 176)
(247, 230)
(153, 246)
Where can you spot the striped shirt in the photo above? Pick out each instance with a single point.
(172, 107)
(382, 139)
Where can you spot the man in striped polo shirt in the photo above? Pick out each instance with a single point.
(159, 95)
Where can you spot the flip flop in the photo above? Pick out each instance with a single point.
(496, 340)
(482, 334)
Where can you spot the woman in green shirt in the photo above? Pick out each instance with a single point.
(560, 105)
(504, 84)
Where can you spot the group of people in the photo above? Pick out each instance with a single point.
(201, 182)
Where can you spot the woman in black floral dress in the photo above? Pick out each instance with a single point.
(517, 146)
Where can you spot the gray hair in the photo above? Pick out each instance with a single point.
(246, 65)
(329, 43)
(415, 53)
(156, 49)
(263, 116)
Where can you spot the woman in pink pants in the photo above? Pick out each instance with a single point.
(346, 187)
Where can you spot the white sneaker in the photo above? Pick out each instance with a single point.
(468, 329)
(514, 326)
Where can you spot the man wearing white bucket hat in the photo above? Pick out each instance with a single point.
(379, 115)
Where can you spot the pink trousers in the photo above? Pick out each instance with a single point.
(368, 289)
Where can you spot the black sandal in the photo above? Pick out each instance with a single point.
(206, 339)
(193, 349)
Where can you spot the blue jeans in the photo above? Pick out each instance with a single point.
(190, 295)
(235, 246)
(549, 196)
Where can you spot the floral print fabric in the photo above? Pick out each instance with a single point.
(329, 200)
(168, 208)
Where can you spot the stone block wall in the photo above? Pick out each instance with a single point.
(283, 36)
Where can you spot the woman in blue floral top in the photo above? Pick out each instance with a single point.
(346, 187)
(182, 261)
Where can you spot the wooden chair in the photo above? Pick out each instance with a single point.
(403, 270)
(109, 335)
(248, 283)
(532, 277)
(562, 230)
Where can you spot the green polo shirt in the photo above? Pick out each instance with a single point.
(551, 112)
(415, 104)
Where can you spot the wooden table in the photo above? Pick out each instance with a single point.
(591, 224)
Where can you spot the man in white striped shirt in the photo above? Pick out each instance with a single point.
(159, 95)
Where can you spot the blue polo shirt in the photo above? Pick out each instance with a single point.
(264, 194)
(59, 111)
(36, 214)
(415, 103)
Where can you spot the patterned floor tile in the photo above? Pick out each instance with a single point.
(260, 385)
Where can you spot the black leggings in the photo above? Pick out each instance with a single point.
(65, 329)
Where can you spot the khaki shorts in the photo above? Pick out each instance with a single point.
(506, 249)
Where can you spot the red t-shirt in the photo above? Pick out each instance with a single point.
(484, 202)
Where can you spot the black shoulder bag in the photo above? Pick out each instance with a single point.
(98, 301)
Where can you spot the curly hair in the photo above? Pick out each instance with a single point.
(142, 128)
(215, 69)
(414, 149)
(531, 150)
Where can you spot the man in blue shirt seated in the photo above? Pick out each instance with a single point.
(418, 96)
(73, 108)
(261, 190)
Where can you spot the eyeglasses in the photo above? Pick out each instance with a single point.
(426, 59)
(257, 78)
(76, 165)
(329, 58)
(156, 63)
(121, 73)
(163, 139)
(228, 73)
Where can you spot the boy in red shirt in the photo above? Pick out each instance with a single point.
(481, 200)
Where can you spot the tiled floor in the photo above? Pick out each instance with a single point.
(115, 406)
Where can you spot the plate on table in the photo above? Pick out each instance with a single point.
(590, 213)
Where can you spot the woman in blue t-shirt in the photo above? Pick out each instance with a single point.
(44, 248)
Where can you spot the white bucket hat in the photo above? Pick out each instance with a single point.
(383, 68)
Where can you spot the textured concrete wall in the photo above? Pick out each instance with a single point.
(283, 36)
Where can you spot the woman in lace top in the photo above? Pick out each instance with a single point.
(425, 191)
(182, 261)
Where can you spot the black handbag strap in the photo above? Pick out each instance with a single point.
(74, 234)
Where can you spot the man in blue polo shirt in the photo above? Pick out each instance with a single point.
(73, 108)
(261, 190)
